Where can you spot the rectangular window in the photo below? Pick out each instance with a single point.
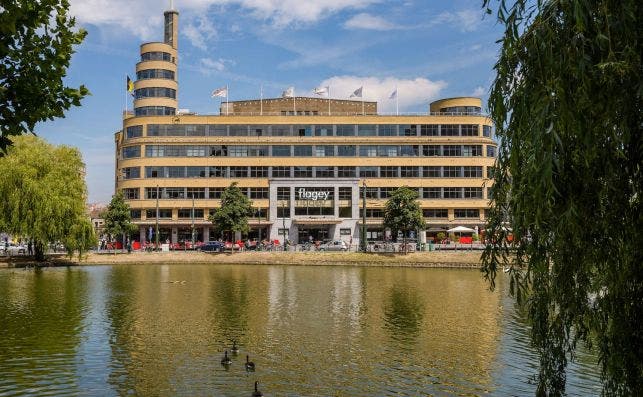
(344, 232)
(176, 172)
(283, 193)
(345, 193)
(466, 213)
(217, 130)
(303, 130)
(408, 130)
(303, 151)
(432, 171)
(215, 192)
(258, 193)
(409, 150)
(135, 214)
(173, 192)
(469, 130)
(281, 172)
(389, 172)
(471, 171)
(281, 130)
(452, 193)
(431, 192)
(195, 192)
(386, 192)
(346, 172)
(490, 172)
(238, 130)
(186, 213)
(238, 172)
(151, 192)
(451, 171)
(442, 213)
(388, 151)
(345, 130)
(431, 150)
(473, 192)
(197, 172)
(258, 151)
(131, 172)
(472, 150)
(155, 172)
(346, 150)
(131, 193)
(449, 130)
(325, 151)
(303, 172)
(259, 172)
(325, 172)
(373, 213)
(283, 212)
(486, 130)
(368, 151)
(366, 130)
(134, 131)
(491, 151)
(429, 130)
(346, 212)
(323, 130)
(281, 151)
(164, 213)
(257, 130)
(131, 152)
(217, 172)
(387, 130)
(368, 172)
(371, 193)
(452, 150)
(195, 151)
(409, 172)
(219, 151)
(238, 151)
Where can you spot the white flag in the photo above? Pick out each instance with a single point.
(393, 94)
(289, 93)
(357, 93)
(321, 91)
(223, 91)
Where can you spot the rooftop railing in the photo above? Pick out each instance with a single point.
(335, 114)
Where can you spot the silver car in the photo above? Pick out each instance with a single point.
(13, 249)
(336, 245)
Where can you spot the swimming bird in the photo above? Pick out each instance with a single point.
(235, 348)
(257, 393)
(250, 366)
(226, 360)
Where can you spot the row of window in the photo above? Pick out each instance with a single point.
(155, 74)
(306, 172)
(156, 56)
(154, 92)
(154, 111)
(214, 193)
(199, 213)
(308, 150)
(466, 110)
(317, 130)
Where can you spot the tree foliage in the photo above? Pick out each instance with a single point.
(566, 103)
(403, 213)
(233, 214)
(36, 45)
(43, 195)
(118, 217)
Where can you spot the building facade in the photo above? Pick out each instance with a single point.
(304, 162)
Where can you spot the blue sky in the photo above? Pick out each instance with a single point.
(428, 49)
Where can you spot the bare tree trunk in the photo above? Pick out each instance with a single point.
(39, 251)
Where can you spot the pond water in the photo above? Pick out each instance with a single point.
(162, 330)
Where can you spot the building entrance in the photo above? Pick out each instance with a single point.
(319, 233)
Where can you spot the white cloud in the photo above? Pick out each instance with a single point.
(467, 20)
(144, 18)
(479, 91)
(207, 66)
(369, 22)
(412, 93)
(199, 32)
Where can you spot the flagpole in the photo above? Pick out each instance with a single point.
(261, 100)
(126, 88)
(294, 106)
(328, 89)
(397, 103)
(227, 101)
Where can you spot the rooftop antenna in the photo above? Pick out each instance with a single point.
(171, 4)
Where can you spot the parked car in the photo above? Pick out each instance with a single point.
(13, 249)
(336, 245)
(212, 246)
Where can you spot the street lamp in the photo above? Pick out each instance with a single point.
(284, 223)
(157, 217)
(192, 220)
(362, 241)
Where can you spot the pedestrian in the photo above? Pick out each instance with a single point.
(30, 248)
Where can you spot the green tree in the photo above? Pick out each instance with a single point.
(118, 218)
(566, 103)
(43, 195)
(403, 213)
(232, 215)
(36, 45)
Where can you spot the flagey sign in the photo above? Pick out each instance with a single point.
(304, 194)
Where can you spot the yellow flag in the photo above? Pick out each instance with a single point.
(130, 84)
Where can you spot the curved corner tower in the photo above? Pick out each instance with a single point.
(156, 86)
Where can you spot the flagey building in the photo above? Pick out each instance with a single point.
(302, 161)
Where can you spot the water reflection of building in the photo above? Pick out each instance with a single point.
(302, 161)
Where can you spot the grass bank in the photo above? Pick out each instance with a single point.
(450, 259)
